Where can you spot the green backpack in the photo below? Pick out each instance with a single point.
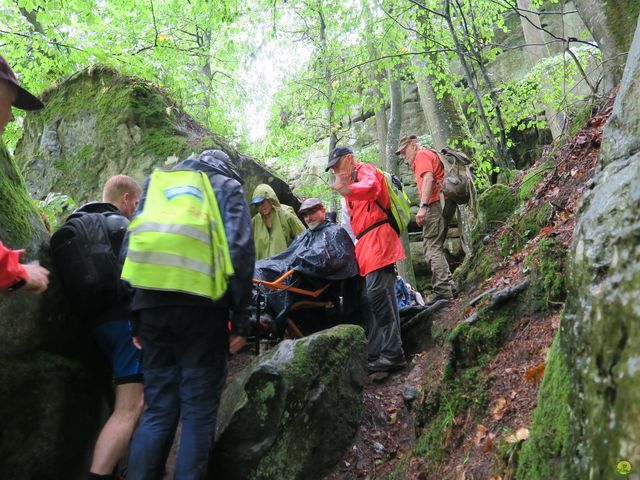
(399, 213)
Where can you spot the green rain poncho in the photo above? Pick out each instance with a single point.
(285, 225)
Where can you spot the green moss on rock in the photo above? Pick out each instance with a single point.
(524, 229)
(274, 416)
(17, 215)
(531, 180)
(544, 454)
(495, 206)
(621, 17)
(475, 343)
(546, 273)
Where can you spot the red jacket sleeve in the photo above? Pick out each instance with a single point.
(368, 186)
(11, 271)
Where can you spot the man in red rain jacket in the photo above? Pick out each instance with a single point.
(377, 249)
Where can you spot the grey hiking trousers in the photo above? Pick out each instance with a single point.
(384, 319)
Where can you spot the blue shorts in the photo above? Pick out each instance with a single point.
(114, 339)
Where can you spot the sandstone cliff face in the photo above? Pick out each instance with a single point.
(590, 396)
(99, 123)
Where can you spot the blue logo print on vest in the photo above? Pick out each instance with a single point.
(173, 192)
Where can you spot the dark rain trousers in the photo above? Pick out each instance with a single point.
(185, 351)
(384, 319)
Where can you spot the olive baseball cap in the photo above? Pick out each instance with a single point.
(405, 142)
(24, 100)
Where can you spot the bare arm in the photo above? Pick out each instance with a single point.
(428, 182)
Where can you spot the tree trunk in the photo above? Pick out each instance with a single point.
(380, 109)
(333, 138)
(442, 115)
(536, 51)
(395, 123)
(405, 267)
(612, 25)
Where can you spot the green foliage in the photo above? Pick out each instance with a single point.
(193, 49)
(523, 102)
(53, 207)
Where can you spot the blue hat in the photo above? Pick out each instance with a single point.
(257, 200)
(335, 155)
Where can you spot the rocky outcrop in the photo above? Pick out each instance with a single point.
(51, 399)
(588, 417)
(291, 414)
(99, 123)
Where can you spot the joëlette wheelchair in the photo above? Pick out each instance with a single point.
(306, 310)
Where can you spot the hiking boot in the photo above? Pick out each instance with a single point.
(383, 364)
(436, 297)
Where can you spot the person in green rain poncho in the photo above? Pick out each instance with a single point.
(275, 225)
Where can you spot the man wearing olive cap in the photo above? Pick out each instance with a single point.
(433, 217)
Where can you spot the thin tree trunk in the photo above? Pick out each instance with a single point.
(443, 117)
(598, 16)
(502, 157)
(333, 138)
(405, 267)
(536, 51)
(395, 123)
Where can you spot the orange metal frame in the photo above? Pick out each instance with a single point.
(277, 285)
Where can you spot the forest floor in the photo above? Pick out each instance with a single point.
(476, 445)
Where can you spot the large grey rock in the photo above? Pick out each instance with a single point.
(99, 123)
(596, 368)
(50, 399)
(602, 322)
(292, 412)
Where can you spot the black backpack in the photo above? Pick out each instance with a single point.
(85, 254)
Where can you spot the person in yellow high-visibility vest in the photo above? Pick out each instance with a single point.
(190, 258)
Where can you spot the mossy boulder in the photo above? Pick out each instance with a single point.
(99, 123)
(495, 206)
(51, 400)
(293, 411)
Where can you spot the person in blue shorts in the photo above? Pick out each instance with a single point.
(111, 330)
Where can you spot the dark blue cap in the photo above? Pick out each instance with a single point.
(257, 200)
(335, 155)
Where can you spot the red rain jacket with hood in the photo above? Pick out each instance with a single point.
(381, 245)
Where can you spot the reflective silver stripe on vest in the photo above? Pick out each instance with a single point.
(170, 260)
(185, 230)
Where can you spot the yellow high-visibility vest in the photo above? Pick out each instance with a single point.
(178, 242)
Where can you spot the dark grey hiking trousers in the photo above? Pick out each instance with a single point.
(384, 319)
